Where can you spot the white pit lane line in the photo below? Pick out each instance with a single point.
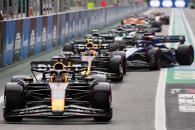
(160, 111)
(149, 11)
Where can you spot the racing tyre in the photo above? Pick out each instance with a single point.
(68, 47)
(154, 57)
(166, 20)
(116, 66)
(115, 46)
(99, 77)
(123, 55)
(102, 95)
(122, 22)
(13, 99)
(185, 55)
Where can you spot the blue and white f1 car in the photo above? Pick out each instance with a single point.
(154, 53)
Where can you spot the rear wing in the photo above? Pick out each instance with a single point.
(107, 36)
(73, 64)
(170, 39)
(50, 67)
(95, 45)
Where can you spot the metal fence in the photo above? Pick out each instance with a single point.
(21, 38)
(13, 9)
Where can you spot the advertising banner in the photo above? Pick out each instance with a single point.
(77, 24)
(70, 26)
(83, 28)
(80, 23)
(56, 37)
(63, 29)
(38, 36)
(49, 45)
(24, 49)
(9, 42)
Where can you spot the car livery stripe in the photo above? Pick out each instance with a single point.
(130, 51)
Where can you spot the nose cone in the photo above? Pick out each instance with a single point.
(58, 105)
(58, 93)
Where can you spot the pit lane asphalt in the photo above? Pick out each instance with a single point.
(133, 102)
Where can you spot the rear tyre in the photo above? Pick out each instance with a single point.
(99, 77)
(68, 47)
(116, 66)
(185, 55)
(122, 22)
(154, 57)
(102, 95)
(115, 46)
(166, 20)
(13, 99)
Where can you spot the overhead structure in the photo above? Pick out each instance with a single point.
(168, 3)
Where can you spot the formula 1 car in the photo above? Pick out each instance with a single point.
(62, 92)
(161, 17)
(155, 54)
(103, 39)
(99, 58)
(137, 21)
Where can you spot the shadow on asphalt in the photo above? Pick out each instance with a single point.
(28, 121)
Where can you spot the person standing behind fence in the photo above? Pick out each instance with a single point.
(1, 15)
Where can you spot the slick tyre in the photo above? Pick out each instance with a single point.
(154, 59)
(115, 46)
(122, 22)
(68, 47)
(102, 95)
(123, 56)
(116, 66)
(185, 55)
(13, 99)
(99, 77)
(165, 20)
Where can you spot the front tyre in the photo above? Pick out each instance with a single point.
(116, 66)
(13, 99)
(102, 95)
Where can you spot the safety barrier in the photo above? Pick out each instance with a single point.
(22, 38)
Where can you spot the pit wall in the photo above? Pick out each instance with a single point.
(22, 38)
